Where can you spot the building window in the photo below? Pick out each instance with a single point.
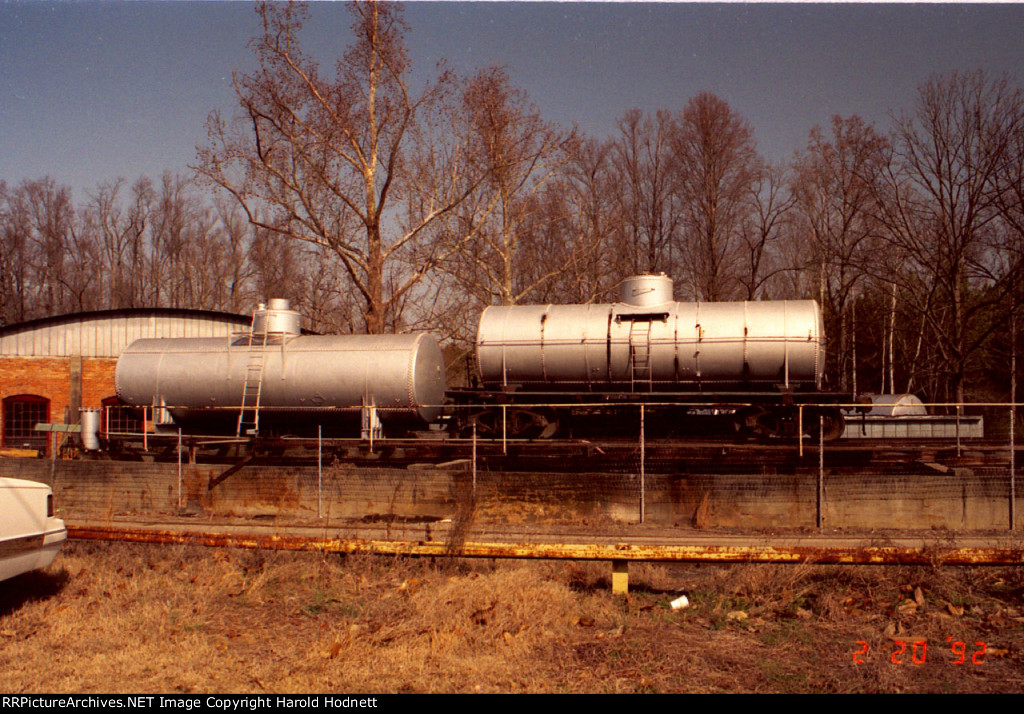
(119, 418)
(21, 414)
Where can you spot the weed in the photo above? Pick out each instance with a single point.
(134, 618)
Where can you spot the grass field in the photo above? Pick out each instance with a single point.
(141, 619)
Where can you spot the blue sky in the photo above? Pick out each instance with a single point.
(90, 91)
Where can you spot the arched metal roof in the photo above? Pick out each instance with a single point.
(105, 333)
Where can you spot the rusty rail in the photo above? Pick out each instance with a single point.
(682, 553)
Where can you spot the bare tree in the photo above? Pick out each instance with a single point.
(171, 240)
(588, 189)
(1009, 196)
(517, 152)
(120, 236)
(764, 226)
(717, 164)
(14, 257)
(325, 160)
(838, 227)
(941, 212)
(648, 202)
(234, 266)
(40, 232)
(165, 246)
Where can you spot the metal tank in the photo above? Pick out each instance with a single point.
(90, 419)
(292, 378)
(648, 342)
(896, 405)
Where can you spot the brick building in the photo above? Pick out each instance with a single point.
(51, 367)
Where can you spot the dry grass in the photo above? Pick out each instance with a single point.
(148, 619)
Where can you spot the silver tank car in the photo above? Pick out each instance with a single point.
(648, 342)
(292, 377)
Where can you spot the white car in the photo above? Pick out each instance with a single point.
(30, 535)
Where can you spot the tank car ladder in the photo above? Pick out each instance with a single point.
(640, 355)
(252, 388)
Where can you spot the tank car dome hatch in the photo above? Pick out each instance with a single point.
(647, 290)
(277, 318)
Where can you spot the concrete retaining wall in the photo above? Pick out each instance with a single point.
(95, 491)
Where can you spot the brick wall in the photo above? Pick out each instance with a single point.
(54, 378)
(97, 381)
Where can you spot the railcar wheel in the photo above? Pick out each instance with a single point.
(481, 423)
(767, 422)
(833, 424)
(519, 423)
(777, 423)
(532, 423)
(745, 421)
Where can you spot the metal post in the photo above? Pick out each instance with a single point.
(319, 471)
(474, 461)
(179, 469)
(504, 429)
(145, 431)
(800, 428)
(883, 361)
(959, 408)
(785, 345)
(821, 471)
(853, 357)
(643, 474)
(620, 577)
(51, 439)
(1013, 469)
(1013, 419)
(892, 345)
